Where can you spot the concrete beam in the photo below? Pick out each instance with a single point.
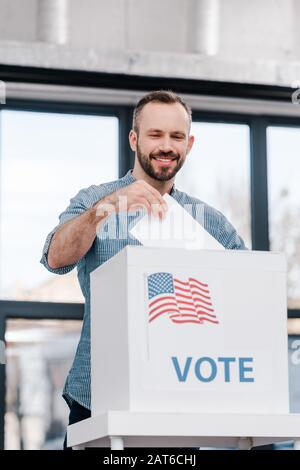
(160, 64)
(52, 21)
(204, 30)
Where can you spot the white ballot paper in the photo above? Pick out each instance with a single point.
(177, 230)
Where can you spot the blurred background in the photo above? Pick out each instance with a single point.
(71, 72)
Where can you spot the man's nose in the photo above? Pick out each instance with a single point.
(165, 145)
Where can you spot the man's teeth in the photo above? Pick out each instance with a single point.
(164, 159)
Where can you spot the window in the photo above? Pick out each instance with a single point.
(284, 202)
(39, 355)
(294, 363)
(217, 171)
(45, 159)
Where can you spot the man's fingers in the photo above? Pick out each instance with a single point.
(155, 193)
(151, 208)
(140, 203)
(141, 194)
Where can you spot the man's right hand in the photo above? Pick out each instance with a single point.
(75, 237)
(138, 195)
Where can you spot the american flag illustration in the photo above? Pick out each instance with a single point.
(183, 301)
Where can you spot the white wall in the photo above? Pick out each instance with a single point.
(258, 40)
(257, 29)
(17, 20)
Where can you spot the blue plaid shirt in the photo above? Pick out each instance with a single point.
(78, 383)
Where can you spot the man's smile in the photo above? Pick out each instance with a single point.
(164, 161)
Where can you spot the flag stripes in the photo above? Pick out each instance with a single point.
(182, 301)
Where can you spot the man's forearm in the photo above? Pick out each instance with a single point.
(74, 238)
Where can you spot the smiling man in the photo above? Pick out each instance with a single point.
(161, 140)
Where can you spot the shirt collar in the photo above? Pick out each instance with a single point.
(129, 178)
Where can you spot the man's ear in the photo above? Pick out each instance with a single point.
(190, 143)
(133, 140)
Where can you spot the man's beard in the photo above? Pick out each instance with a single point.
(164, 173)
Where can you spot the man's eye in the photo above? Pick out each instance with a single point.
(154, 135)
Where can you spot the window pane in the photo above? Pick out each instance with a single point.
(217, 171)
(284, 202)
(38, 357)
(45, 159)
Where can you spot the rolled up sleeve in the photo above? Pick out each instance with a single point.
(44, 258)
(78, 205)
(229, 237)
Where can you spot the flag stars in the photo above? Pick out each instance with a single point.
(160, 283)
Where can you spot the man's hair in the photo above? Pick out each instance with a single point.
(159, 96)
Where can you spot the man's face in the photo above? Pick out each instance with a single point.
(163, 139)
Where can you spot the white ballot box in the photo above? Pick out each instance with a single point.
(188, 349)
(181, 331)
